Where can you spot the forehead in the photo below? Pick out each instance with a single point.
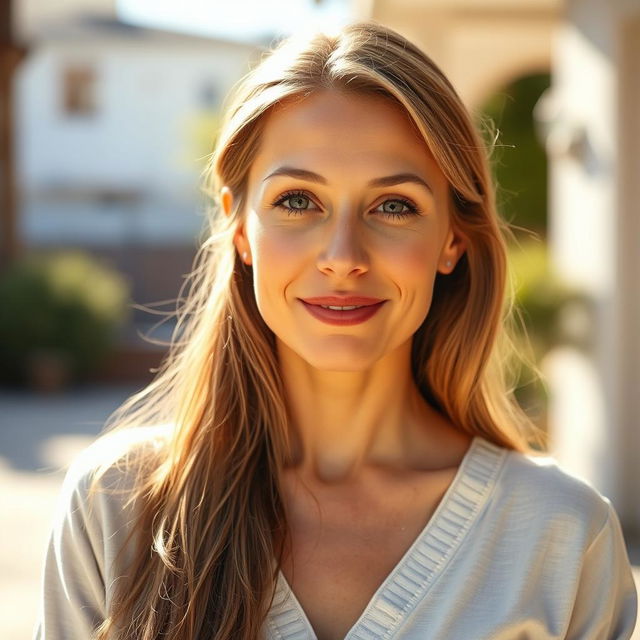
(333, 128)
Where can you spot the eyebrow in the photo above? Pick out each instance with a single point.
(385, 181)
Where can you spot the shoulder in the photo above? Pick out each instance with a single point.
(92, 541)
(94, 519)
(115, 460)
(109, 449)
(545, 496)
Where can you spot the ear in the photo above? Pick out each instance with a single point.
(452, 250)
(226, 199)
(240, 238)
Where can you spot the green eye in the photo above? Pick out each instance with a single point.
(297, 200)
(398, 208)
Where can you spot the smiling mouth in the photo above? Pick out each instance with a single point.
(343, 315)
(342, 301)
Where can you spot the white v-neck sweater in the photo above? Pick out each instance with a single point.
(517, 549)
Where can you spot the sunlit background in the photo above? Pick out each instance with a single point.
(108, 110)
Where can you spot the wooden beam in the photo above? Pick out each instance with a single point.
(10, 55)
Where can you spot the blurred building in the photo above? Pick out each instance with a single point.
(113, 126)
(108, 138)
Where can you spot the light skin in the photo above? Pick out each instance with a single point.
(371, 458)
(354, 405)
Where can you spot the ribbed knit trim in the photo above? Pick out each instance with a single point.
(427, 557)
(287, 620)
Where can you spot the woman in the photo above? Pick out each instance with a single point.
(330, 449)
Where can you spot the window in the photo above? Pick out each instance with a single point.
(79, 91)
(208, 97)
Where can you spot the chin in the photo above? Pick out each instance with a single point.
(343, 361)
(338, 354)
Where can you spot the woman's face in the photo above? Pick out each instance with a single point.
(344, 199)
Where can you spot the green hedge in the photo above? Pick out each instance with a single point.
(551, 313)
(64, 303)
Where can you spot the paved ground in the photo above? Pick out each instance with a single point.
(39, 435)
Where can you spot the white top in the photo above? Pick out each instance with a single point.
(517, 549)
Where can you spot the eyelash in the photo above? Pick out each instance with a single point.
(413, 210)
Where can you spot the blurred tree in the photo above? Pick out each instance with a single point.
(519, 160)
(62, 306)
(519, 167)
(550, 313)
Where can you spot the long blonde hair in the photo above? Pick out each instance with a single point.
(211, 520)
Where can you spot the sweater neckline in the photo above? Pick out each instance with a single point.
(424, 561)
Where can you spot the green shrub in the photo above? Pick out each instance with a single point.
(63, 303)
(542, 304)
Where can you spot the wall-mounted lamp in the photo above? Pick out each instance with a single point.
(560, 134)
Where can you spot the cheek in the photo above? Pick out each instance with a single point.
(277, 257)
(414, 263)
(414, 270)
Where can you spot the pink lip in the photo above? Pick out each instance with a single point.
(368, 308)
(343, 301)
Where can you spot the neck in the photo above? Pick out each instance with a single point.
(346, 422)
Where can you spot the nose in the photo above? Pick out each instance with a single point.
(343, 252)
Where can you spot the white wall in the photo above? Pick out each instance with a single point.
(595, 400)
(139, 140)
(32, 18)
